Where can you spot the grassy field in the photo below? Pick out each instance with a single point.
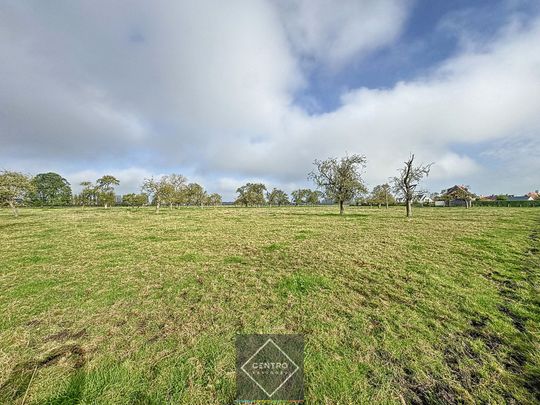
(126, 306)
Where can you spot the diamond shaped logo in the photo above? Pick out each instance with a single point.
(270, 367)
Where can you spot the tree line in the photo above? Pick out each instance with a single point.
(51, 189)
(174, 190)
(338, 180)
(256, 194)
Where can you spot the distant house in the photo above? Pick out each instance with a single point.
(458, 195)
(520, 198)
(423, 198)
(534, 195)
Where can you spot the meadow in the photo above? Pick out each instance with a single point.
(124, 306)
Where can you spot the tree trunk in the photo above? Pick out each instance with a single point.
(14, 208)
(106, 205)
(341, 209)
(409, 208)
(157, 206)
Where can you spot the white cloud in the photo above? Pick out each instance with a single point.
(207, 88)
(452, 166)
(196, 69)
(472, 98)
(333, 33)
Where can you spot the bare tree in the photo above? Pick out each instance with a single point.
(409, 176)
(341, 179)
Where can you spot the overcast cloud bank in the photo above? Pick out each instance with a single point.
(208, 89)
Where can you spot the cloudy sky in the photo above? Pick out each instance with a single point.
(226, 92)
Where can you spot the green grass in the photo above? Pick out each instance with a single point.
(125, 306)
